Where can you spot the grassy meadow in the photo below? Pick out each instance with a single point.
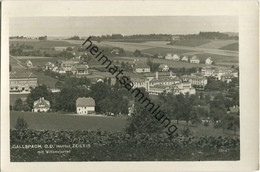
(61, 121)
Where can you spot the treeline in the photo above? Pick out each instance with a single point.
(208, 35)
(108, 99)
(162, 37)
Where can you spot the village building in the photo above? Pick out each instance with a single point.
(176, 57)
(85, 105)
(234, 110)
(29, 63)
(169, 74)
(208, 61)
(49, 66)
(68, 65)
(163, 68)
(179, 88)
(141, 83)
(141, 68)
(159, 56)
(208, 71)
(195, 59)
(165, 81)
(22, 82)
(169, 56)
(220, 73)
(185, 59)
(41, 105)
(82, 70)
(115, 51)
(197, 81)
(226, 77)
(60, 71)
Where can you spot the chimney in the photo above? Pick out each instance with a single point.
(156, 75)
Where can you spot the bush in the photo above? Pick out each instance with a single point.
(21, 124)
(217, 125)
(206, 124)
(186, 132)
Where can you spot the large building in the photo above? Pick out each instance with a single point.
(197, 81)
(85, 105)
(141, 68)
(41, 105)
(179, 88)
(22, 82)
(218, 72)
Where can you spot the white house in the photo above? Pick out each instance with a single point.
(41, 105)
(169, 56)
(176, 57)
(29, 63)
(85, 105)
(185, 59)
(141, 68)
(195, 59)
(163, 68)
(208, 61)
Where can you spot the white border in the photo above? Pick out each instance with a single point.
(248, 29)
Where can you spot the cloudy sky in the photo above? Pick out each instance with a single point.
(85, 26)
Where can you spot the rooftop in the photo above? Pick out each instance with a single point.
(85, 101)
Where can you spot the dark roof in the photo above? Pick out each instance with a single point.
(141, 66)
(85, 101)
(41, 103)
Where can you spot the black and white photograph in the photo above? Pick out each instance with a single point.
(137, 88)
(90, 88)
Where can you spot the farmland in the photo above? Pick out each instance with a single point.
(191, 42)
(232, 47)
(42, 44)
(18, 65)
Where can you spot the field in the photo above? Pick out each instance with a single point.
(218, 58)
(164, 51)
(36, 61)
(58, 121)
(217, 44)
(42, 44)
(191, 42)
(19, 66)
(232, 47)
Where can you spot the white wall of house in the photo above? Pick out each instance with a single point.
(85, 110)
(142, 70)
(40, 109)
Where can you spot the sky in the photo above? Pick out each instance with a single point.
(125, 25)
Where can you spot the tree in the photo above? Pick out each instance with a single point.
(21, 124)
(142, 121)
(36, 93)
(18, 105)
(138, 53)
